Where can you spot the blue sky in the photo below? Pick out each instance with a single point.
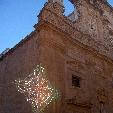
(18, 17)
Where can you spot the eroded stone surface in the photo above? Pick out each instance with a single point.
(65, 48)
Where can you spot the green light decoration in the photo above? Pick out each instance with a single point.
(37, 89)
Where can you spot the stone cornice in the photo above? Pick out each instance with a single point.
(52, 43)
(65, 25)
(43, 25)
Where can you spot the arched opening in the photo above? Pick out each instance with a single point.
(69, 7)
(70, 11)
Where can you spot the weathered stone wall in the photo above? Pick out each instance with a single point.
(63, 57)
(95, 19)
(95, 74)
(63, 51)
(17, 64)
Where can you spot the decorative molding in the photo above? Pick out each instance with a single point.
(62, 23)
(73, 101)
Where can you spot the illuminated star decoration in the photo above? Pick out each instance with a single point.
(37, 89)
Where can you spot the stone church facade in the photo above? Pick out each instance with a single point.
(75, 50)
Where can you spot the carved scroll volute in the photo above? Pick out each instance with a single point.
(58, 8)
(55, 6)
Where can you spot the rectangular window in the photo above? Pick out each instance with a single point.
(75, 81)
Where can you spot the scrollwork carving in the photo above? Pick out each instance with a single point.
(65, 25)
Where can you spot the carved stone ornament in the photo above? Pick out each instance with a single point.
(101, 95)
(52, 14)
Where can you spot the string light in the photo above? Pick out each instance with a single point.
(37, 89)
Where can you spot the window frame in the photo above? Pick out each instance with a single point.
(77, 81)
